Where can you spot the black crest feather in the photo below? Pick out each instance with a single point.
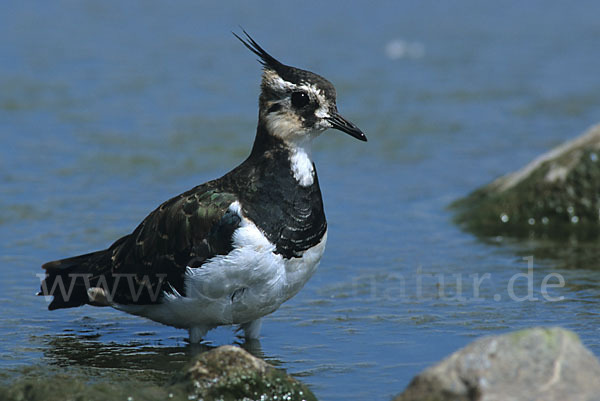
(265, 58)
(286, 72)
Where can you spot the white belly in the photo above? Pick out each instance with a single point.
(244, 285)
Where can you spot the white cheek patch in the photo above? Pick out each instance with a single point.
(284, 125)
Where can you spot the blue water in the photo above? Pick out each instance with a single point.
(108, 108)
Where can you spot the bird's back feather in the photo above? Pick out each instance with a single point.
(138, 268)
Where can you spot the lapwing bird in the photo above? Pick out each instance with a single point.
(232, 250)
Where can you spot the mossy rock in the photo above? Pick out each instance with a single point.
(225, 373)
(229, 373)
(61, 387)
(554, 196)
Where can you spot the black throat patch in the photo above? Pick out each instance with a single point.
(291, 216)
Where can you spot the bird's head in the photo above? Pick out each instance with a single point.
(296, 105)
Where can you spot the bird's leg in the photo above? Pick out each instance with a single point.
(197, 333)
(252, 329)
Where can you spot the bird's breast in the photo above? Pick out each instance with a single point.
(252, 280)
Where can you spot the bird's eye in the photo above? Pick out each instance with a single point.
(300, 99)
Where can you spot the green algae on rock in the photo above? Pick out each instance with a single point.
(61, 387)
(557, 194)
(225, 373)
(230, 373)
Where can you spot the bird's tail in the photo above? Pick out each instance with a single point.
(68, 280)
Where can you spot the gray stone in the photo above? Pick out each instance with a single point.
(557, 194)
(538, 364)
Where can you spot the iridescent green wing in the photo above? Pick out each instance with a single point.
(183, 232)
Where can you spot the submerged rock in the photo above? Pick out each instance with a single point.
(538, 364)
(558, 193)
(61, 387)
(226, 373)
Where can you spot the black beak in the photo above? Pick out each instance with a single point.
(339, 122)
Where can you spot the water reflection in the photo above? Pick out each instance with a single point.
(568, 254)
(138, 359)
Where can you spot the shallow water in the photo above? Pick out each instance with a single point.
(109, 108)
